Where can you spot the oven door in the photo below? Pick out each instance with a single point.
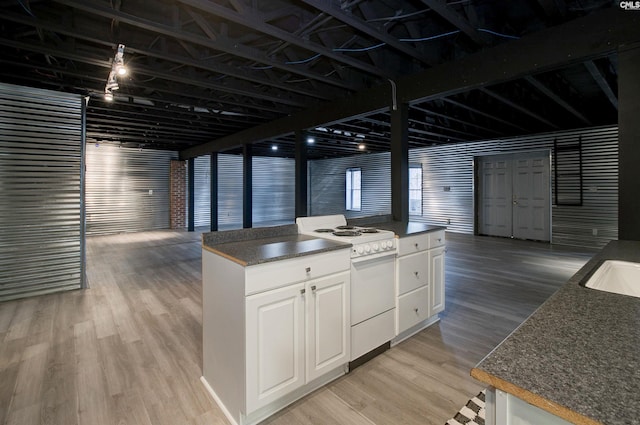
(372, 286)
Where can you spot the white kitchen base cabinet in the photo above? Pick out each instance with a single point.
(267, 343)
(419, 282)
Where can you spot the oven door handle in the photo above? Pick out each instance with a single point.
(371, 257)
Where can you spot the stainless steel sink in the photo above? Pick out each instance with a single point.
(620, 277)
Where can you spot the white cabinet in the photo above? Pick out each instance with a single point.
(295, 334)
(327, 323)
(275, 344)
(419, 280)
(273, 332)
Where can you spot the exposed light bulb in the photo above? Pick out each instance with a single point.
(274, 148)
(361, 146)
(311, 140)
(121, 69)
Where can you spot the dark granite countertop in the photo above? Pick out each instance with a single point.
(249, 247)
(404, 229)
(400, 228)
(578, 355)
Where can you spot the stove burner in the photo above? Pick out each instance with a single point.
(369, 230)
(323, 230)
(347, 233)
(346, 227)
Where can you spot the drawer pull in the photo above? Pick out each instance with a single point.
(416, 273)
(302, 291)
(416, 310)
(313, 288)
(308, 269)
(416, 246)
(439, 239)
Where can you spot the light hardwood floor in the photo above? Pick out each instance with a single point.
(128, 350)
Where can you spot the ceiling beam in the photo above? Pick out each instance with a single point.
(557, 99)
(454, 18)
(576, 41)
(331, 8)
(510, 103)
(250, 19)
(477, 111)
(326, 93)
(455, 119)
(221, 44)
(602, 82)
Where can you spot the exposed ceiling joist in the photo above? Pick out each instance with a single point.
(584, 38)
(557, 99)
(454, 18)
(602, 82)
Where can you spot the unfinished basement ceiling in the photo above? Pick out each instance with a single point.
(204, 70)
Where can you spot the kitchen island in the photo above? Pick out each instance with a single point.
(275, 318)
(575, 360)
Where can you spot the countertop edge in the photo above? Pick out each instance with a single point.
(227, 256)
(533, 399)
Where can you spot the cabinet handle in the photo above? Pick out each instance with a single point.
(439, 239)
(416, 310)
(313, 288)
(308, 270)
(416, 246)
(302, 291)
(416, 273)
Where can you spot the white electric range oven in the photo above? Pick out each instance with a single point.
(372, 278)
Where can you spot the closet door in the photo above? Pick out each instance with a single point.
(495, 195)
(531, 195)
(515, 196)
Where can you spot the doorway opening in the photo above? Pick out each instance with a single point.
(513, 197)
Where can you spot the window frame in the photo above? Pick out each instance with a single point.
(350, 190)
(415, 190)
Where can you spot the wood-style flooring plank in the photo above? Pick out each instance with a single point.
(129, 349)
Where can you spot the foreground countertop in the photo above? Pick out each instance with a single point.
(249, 247)
(578, 355)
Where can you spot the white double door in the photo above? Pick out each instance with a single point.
(515, 195)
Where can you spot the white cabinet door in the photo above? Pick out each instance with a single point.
(436, 261)
(275, 344)
(328, 338)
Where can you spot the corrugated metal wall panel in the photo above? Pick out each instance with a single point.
(452, 166)
(41, 226)
(328, 185)
(229, 191)
(273, 191)
(127, 189)
(202, 191)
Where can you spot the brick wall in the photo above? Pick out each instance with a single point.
(178, 195)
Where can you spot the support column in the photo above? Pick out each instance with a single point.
(400, 162)
(178, 195)
(628, 144)
(301, 185)
(191, 177)
(247, 187)
(213, 187)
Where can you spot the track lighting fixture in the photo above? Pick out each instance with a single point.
(117, 69)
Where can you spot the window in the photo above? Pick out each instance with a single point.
(415, 189)
(353, 189)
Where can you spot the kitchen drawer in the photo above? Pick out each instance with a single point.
(413, 308)
(436, 239)
(413, 271)
(413, 244)
(266, 276)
